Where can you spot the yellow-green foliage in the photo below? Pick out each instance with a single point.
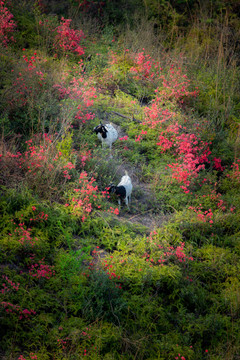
(231, 295)
(65, 145)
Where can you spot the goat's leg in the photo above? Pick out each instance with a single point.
(111, 151)
(126, 201)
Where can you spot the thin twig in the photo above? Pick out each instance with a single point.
(126, 117)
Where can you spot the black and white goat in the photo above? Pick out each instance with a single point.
(106, 133)
(123, 190)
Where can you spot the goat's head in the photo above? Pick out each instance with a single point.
(100, 129)
(111, 188)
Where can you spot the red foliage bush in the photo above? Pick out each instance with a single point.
(68, 39)
(7, 24)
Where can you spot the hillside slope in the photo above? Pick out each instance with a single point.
(82, 277)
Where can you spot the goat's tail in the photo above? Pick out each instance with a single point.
(126, 173)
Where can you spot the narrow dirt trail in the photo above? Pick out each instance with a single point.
(144, 208)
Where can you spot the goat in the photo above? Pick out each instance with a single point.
(106, 133)
(123, 189)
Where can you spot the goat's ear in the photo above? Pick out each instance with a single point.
(110, 188)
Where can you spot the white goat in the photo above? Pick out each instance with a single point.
(123, 189)
(106, 133)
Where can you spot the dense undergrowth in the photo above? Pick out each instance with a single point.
(78, 280)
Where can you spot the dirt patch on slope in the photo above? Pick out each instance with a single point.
(144, 208)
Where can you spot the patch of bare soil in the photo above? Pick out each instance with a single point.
(144, 208)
